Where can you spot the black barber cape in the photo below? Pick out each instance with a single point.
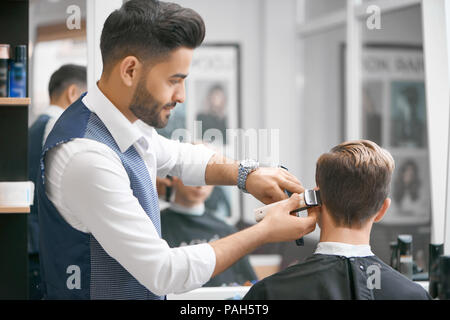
(330, 277)
(180, 229)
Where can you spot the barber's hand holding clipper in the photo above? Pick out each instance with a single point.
(307, 198)
(286, 226)
(268, 184)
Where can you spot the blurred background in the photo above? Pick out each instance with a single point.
(307, 73)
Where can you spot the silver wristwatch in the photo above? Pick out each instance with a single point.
(245, 168)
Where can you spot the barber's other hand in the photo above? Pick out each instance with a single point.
(161, 185)
(268, 184)
(280, 226)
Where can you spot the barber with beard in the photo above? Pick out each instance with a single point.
(98, 207)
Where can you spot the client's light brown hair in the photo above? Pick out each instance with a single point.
(354, 180)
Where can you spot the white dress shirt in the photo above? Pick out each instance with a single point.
(343, 249)
(54, 112)
(89, 186)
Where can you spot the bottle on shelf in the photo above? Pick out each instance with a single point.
(405, 260)
(394, 254)
(444, 277)
(18, 73)
(4, 58)
(435, 251)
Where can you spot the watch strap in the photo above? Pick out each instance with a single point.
(242, 177)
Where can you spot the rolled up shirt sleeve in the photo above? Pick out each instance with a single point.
(96, 189)
(184, 160)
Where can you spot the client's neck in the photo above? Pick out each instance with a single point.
(190, 208)
(329, 232)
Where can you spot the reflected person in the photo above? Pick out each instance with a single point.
(214, 115)
(188, 222)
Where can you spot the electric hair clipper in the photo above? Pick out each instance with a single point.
(309, 198)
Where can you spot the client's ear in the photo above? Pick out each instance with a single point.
(380, 214)
(72, 93)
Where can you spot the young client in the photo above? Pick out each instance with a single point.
(353, 179)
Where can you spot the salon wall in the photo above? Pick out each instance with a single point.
(290, 85)
(323, 85)
(323, 80)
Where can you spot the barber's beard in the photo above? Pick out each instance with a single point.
(146, 108)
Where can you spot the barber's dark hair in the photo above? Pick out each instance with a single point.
(149, 29)
(65, 76)
(354, 180)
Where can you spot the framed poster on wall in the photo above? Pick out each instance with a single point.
(394, 116)
(213, 92)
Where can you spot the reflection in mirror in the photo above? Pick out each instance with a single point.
(57, 36)
(58, 57)
(394, 116)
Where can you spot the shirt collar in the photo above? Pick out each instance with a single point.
(122, 130)
(198, 210)
(147, 131)
(343, 249)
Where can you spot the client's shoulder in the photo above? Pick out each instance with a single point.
(314, 264)
(299, 281)
(395, 285)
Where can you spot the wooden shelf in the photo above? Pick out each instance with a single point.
(15, 101)
(14, 209)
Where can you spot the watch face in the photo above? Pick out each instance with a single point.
(250, 164)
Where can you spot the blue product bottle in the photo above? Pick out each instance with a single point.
(18, 73)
